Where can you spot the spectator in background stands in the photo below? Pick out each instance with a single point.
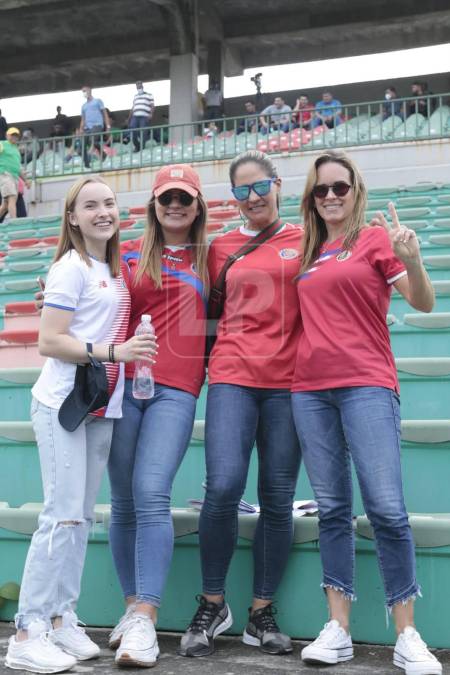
(61, 124)
(304, 113)
(211, 130)
(392, 105)
(328, 111)
(279, 116)
(10, 171)
(423, 105)
(94, 118)
(249, 124)
(21, 209)
(140, 116)
(213, 98)
(3, 127)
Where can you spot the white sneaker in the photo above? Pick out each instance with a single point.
(139, 646)
(412, 654)
(333, 645)
(116, 634)
(37, 654)
(72, 639)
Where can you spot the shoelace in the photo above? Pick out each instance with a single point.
(266, 620)
(204, 616)
(418, 644)
(326, 631)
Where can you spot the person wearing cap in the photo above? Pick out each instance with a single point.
(169, 281)
(10, 171)
(86, 311)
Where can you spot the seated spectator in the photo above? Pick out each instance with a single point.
(3, 127)
(26, 145)
(211, 130)
(279, 114)
(392, 106)
(328, 111)
(304, 111)
(249, 124)
(61, 124)
(424, 106)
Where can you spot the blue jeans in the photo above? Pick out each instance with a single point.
(235, 417)
(138, 122)
(361, 423)
(148, 445)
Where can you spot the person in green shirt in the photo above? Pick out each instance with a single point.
(10, 170)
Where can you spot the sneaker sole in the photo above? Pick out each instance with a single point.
(329, 659)
(115, 644)
(127, 661)
(253, 641)
(207, 650)
(80, 657)
(25, 665)
(427, 670)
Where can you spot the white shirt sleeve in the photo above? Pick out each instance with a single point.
(65, 282)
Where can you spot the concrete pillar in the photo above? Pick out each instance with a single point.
(216, 63)
(183, 95)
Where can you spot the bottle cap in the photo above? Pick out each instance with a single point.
(146, 317)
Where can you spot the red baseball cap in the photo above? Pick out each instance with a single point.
(177, 176)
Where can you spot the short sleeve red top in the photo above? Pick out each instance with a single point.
(258, 331)
(344, 298)
(178, 314)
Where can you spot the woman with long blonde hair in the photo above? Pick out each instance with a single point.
(345, 397)
(169, 281)
(86, 311)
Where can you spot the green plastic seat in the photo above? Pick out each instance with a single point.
(430, 530)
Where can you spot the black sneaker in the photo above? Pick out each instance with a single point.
(262, 631)
(209, 621)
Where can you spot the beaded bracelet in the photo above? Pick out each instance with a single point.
(111, 354)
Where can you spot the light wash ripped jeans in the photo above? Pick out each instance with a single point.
(72, 466)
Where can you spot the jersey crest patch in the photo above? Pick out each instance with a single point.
(345, 255)
(288, 253)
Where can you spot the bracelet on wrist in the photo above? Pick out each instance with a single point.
(111, 354)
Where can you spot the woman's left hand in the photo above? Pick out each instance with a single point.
(403, 240)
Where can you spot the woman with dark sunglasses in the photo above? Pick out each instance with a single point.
(169, 281)
(346, 398)
(250, 373)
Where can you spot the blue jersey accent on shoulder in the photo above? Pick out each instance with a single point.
(132, 255)
(195, 282)
(52, 304)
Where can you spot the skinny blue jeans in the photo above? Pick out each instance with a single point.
(149, 443)
(236, 417)
(362, 424)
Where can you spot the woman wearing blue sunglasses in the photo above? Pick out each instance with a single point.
(250, 373)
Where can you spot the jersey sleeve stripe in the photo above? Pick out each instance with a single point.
(391, 280)
(52, 304)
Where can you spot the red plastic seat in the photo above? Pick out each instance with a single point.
(19, 337)
(214, 203)
(24, 243)
(214, 227)
(20, 308)
(50, 241)
(138, 210)
(224, 214)
(124, 224)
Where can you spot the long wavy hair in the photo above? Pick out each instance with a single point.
(71, 237)
(315, 228)
(153, 244)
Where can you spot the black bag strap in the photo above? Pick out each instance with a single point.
(92, 360)
(217, 292)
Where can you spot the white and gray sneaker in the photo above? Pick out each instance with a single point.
(139, 645)
(209, 621)
(116, 634)
(333, 645)
(412, 654)
(72, 638)
(37, 654)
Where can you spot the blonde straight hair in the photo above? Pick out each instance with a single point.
(153, 244)
(314, 225)
(71, 237)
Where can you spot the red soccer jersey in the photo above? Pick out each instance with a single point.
(258, 331)
(178, 314)
(344, 298)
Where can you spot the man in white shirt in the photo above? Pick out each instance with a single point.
(140, 116)
(279, 117)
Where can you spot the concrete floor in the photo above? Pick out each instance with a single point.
(234, 658)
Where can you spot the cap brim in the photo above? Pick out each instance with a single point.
(72, 411)
(176, 185)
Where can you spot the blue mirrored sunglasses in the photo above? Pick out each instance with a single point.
(261, 188)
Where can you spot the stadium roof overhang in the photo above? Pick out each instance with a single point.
(59, 45)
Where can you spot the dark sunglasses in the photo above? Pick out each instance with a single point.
(261, 188)
(339, 189)
(184, 198)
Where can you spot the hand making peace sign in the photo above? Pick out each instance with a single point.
(404, 241)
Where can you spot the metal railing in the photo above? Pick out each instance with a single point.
(403, 119)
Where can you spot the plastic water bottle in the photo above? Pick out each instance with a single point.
(143, 380)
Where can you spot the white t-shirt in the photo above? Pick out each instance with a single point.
(100, 305)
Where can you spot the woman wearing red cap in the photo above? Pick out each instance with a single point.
(169, 281)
